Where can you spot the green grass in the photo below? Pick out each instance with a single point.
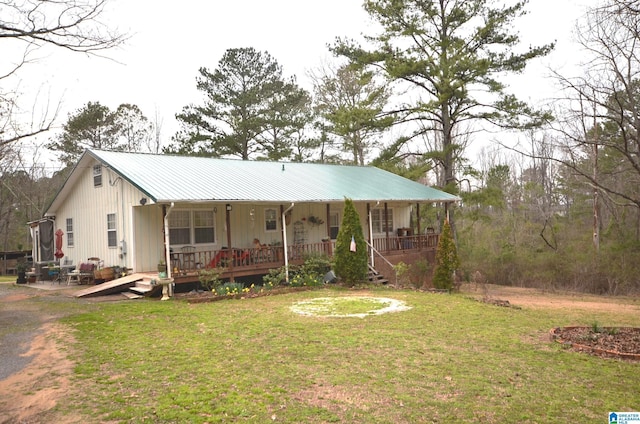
(447, 359)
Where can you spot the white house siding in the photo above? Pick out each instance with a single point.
(148, 241)
(248, 222)
(88, 206)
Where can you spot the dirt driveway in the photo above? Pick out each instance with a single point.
(35, 372)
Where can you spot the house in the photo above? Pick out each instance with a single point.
(133, 210)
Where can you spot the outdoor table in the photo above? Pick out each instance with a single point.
(53, 272)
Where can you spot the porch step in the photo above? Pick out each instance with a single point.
(143, 287)
(377, 278)
(140, 290)
(131, 295)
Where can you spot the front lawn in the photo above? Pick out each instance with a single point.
(447, 359)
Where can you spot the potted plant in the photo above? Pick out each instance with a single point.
(315, 221)
(162, 269)
(21, 269)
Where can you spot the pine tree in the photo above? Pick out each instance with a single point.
(350, 266)
(250, 110)
(446, 259)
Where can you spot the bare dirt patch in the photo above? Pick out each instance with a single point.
(622, 342)
(539, 299)
(29, 395)
(35, 371)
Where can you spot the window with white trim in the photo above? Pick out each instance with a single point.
(270, 219)
(112, 236)
(334, 225)
(378, 224)
(190, 227)
(69, 232)
(97, 175)
(203, 227)
(180, 227)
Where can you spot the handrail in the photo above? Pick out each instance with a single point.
(374, 250)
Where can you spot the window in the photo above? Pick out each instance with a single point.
(192, 227)
(69, 232)
(112, 236)
(377, 220)
(270, 220)
(334, 225)
(203, 228)
(180, 227)
(97, 175)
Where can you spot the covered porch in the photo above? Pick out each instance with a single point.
(185, 264)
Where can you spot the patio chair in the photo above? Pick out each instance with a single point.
(189, 258)
(84, 274)
(66, 266)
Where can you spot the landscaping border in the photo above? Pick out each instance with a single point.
(210, 297)
(556, 334)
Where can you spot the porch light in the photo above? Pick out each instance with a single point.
(228, 207)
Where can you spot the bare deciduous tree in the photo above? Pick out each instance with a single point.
(29, 25)
(601, 133)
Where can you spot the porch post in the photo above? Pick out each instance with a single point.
(167, 248)
(165, 237)
(370, 229)
(229, 249)
(284, 241)
(418, 218)
(386, 225)
(328, 248)
(327, 219)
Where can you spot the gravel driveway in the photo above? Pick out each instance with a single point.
(22, 314)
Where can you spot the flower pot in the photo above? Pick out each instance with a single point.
(107, 274)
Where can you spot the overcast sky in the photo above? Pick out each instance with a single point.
(170, 41)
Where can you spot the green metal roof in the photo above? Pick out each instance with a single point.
(167, 178)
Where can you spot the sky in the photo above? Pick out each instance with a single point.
(169, 41)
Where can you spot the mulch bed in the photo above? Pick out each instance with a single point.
(608, 342)
(209, 296)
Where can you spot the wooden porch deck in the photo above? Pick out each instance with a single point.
(244, 262)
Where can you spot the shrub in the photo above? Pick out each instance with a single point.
(350, 266)
(402, 273)
(420, 272)
(210, 278)
(310, 273)
(276, 276)
(316, 263)
(446, 259)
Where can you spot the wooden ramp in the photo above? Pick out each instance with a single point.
(114, 286)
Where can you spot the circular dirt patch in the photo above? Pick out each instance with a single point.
(348, 306)
(610, 342)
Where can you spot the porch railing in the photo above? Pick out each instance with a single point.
(396, 243)
(273, 256)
